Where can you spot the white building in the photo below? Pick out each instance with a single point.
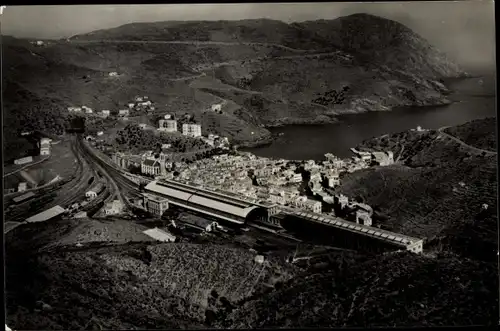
(123, 112)
(314, 206)
(45, 146)
(217, 107)
(93, 192)
(131, 105)
(143, 126)
(191, 130)
(22, 187)
(168, 125)
(105, 113)
(24, 160)
(295, 178)
(333, 180)
(100, 133)
(343, 200)
(113, 208)
(277, 198)
(113, 74)
(168, 117)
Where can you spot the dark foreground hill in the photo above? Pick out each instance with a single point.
(268, 72)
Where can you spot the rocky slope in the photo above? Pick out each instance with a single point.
(270, 72)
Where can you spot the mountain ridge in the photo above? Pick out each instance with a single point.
(261, 67)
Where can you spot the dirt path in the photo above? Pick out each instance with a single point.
(475, 149)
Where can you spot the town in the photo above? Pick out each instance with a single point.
(307, 185)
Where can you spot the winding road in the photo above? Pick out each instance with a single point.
(188, 42)
(475, 149)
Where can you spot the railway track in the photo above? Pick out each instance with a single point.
(125, 187)
(69, 192)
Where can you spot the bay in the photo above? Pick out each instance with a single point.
(473, 98)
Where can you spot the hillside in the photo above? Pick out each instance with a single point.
(438, 189)
(289, 72)
(134, 284)
(393, 290)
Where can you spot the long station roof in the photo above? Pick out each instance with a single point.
(384, 235)
(200, 197)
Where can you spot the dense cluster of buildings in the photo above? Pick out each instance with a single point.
(298, 184)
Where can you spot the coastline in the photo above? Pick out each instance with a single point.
(267, 140)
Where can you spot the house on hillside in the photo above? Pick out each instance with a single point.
(143, 126)
(100, 133)
(217, 107)
(145, 103)
(45, 146)
(168, 125)
(105, 113)
(131, 105)
(123, 112)
(113, 74)
(191, 130)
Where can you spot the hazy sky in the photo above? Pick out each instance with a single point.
(465, 29)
